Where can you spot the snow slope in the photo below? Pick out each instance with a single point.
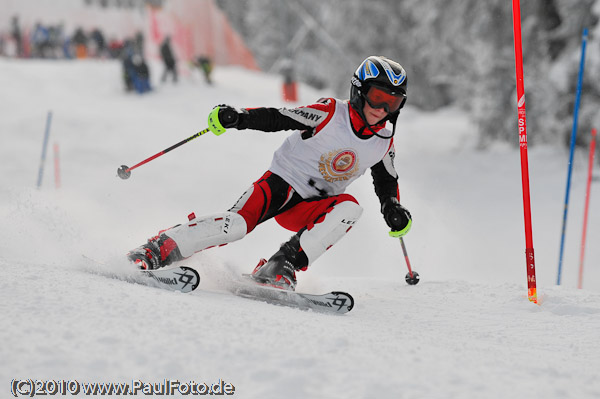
(467, 330)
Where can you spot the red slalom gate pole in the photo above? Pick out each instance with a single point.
(56, 166)
(587, 206)
(522, 124)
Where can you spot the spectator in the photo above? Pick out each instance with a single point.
(138, 42)
(115, 48)
(169, 60)
(141, 74)
(127, 62)
(205, 64)
(55, 39)
(97, 38)
(40, 41)
(63, 42)
(136, 74)
(16, 35)
(80, 42)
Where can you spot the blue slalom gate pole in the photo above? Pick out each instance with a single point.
(573, 137)
(44, 149)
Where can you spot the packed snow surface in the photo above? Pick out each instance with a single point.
(466, 330)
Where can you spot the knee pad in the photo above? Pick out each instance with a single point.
(336, 223)
(208, 231)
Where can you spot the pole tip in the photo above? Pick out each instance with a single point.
(123, 172)
(532, 295)
(412, 278)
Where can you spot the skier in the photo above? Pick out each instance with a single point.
(334, 143)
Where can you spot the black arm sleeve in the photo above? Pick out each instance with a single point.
(386, 185)
(268, 120)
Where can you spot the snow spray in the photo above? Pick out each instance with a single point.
(587, 206)
(44, 148)
(570, 168)
(522, 124)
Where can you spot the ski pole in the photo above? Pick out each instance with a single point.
(125, 171)
(412, 278)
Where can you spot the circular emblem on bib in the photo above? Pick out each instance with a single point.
(338, 165)
(343, 161)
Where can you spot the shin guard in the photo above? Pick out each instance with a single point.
(209, 231)
(318, 238)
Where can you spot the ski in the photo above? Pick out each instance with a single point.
(177, 278)
(186, 279)
(335, 302)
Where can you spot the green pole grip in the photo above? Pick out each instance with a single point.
(213, 122)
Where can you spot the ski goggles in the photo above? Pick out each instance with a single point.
(379, 98)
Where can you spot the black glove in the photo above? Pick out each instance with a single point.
(396, 216)
(223, 117)
(228, 116)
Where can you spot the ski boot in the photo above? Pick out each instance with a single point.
(158, 252)
(280, 270)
